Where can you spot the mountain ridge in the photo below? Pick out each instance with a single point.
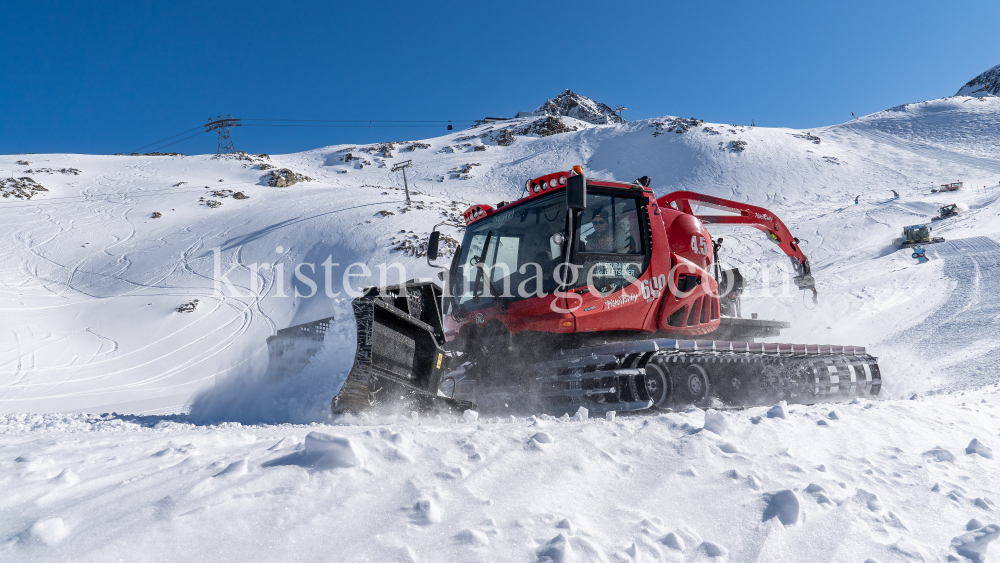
(570, 104)
(987, 83)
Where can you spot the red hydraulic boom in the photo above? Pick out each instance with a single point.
(751, 215)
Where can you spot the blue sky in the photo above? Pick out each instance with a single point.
(109, 76)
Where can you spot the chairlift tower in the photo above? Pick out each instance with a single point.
(223, 125)
(403, 166)
(619, 110)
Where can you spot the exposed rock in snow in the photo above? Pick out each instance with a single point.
(72, 171)
(987, 83)
(21, 188)
(283, 177)
(579, 107)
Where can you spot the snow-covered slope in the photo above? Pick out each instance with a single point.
(90, 284)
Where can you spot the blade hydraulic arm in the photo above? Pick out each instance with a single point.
(751, 215)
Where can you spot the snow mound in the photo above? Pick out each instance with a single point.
(49, 532)
(975, 544)
(778, 411)
(334, 451)
(716, 422)
(426, 511)
(474, 537)
(977, 447)
(783, 505)
(234, 469)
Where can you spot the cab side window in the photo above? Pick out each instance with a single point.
(610, 225)
(611, 250)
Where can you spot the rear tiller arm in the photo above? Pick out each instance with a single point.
(751, 215)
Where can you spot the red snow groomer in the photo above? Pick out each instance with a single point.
(590, 293)
(948, 187)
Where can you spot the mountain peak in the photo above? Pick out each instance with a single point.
(577, 106)
(987, 83)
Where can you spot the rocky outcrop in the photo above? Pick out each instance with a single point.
(986, 84)
(283, 177)
(580, 107)
(21, 188)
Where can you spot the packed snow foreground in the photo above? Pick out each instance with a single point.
(144, 285)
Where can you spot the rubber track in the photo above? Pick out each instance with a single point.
(740, 373)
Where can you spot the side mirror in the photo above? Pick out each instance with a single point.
(576, 193)
(432, 246)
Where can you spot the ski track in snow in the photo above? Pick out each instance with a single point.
(88, 324)
(963, 331)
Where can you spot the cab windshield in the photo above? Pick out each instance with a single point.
(513, 253)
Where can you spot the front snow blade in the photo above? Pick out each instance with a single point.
(399, 361)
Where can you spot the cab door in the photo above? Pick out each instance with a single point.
(615, 285)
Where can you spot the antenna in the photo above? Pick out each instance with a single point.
(223, 125)
(403, 166)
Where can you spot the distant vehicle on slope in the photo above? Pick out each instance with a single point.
(917, 234)
(948, 187)
(949, 210)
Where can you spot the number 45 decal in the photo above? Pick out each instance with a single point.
(698, 245)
